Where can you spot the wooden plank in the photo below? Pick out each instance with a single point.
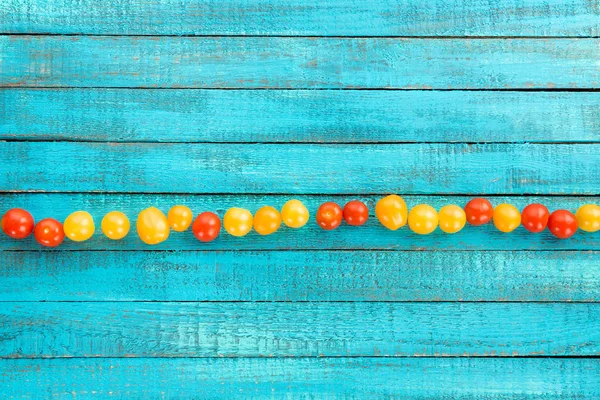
(332, 378)
(370, 236)
(296, 63)
(250, 329)
(299, 276)
(303, 17)
(131, 115)
(300, 168)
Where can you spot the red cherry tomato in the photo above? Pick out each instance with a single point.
(479, 211)
(534, 217)
(356, 213)
(17, 223)
(49, 232)
(563, 224)
(329, 216)
(206, 227)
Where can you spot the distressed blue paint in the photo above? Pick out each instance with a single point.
(301, 168)
(285, 116)
(296, 63)
(303, 17)
(368, 237)
(331, 378)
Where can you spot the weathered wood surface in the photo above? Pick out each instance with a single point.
(296, 63)
(304, 378)
(300, 168)
(303, 17)
(250, 329)
(284, 116)
(300, 276)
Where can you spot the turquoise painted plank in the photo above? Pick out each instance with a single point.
(296, 63)
(300, 168)
(370, 236)
(285, 116)
(310, 329)
(303, 17)
(299, 276)
(307, 378)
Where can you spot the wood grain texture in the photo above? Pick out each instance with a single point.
(331, 378)
(296, 63)
(299, 276)
(156, 329)
(300, 168)
(370, 236)
(348, 116)
(303, 17)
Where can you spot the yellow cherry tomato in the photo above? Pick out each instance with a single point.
(423, 219)
(588, 217)
(452, 218)
(237, 221)
(152, 226)
(391, 211)
(506, 218)
(267, 220)
(79, 226)
(115, 225)
(294, 214)
(180, 218)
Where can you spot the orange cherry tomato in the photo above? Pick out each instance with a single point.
(115, 225)
(79, 226)
(267, 220)
(329, 216)
(206, 227)
(506, 218)
(180, 218)
(452, 218)
(237, 221)
(17, 223)
(534, 217)
(588, 217)
(49, 232)
(294, 214)
(423, 219)
(392, 212)
(152, 226)
(562, 224)
(356, 213)
(479, 211)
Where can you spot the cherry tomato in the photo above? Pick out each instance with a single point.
(392, 212)
(237, 221)
(180, 218)
(267, 220)
(17, 223)
(115, 225)
(79, 226)
(423, 219)
(534, 217)
(356, 213)
(206, 227)
(452, 218)
(294, 214)
(329, 216)
(152, 226)
(506, 218)
(479, 211)
(49, 232)
(588, 217)
(562, 224)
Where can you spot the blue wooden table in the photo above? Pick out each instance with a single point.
(124, 104)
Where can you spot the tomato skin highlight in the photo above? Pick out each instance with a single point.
(588, 217)
(79, 226)
(49, 232)
(423, 219)
(294, 214)
(355, 213)
(267, 220)
(534, 217)
(329, 216)
(17, 223)
(115, 225)
(562, 224)
(180, 218)
(206, 227)
(392, 212)
(506, 218)
(152, 226)
(452, 218)
(238, 221)
(479, 211)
